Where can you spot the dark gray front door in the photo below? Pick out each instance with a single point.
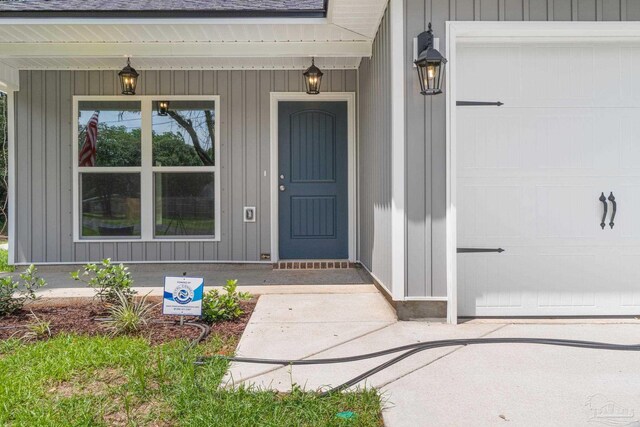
(313, 180)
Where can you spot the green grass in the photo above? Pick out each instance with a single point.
(4, 262)
(99, 381)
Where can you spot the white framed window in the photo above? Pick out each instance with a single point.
(146, 173)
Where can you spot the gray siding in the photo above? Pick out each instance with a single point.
(44, 170)
(374, 157)
(425, 144)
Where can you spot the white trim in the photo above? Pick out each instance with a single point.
(227, 49)
(11, 174)
(147, 189)
(350, 97)
(504, 32)
(146, 169)
(161, 21)
(398, 226)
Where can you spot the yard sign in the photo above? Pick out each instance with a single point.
(183, 296)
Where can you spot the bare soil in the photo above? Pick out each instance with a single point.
(81, 316)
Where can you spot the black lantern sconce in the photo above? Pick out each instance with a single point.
(163, 108)
(312, 78)
(128, 79)
(430, 64)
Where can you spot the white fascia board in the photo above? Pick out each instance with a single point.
(398, 228)
(187, 49)
(9, 78)
(161, 21)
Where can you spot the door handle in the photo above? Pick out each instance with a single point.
(282, 188)
(612, 199)
(603, 199)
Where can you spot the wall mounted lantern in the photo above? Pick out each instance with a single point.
(163, 108)
(312, 78)
(430, 64)
(128, 79)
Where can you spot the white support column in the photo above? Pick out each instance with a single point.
(147, 203)
(11, 173)
(398, 228)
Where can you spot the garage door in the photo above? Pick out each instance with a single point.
(531, 175)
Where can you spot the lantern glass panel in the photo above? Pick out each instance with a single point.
(312, 83)
(128, 79)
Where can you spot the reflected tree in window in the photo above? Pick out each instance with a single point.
(204, 152)
(186, 135)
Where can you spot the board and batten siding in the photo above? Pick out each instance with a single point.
(43, 116)
(374, 157)
(426, 121)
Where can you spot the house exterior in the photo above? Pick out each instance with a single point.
(512, 193)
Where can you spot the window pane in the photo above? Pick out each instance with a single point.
(184, 133)
(109, 133)
(184, 204)
(110, 204)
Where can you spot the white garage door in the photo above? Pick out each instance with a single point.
(530, 174)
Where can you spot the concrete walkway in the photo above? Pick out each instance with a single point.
(458, 386)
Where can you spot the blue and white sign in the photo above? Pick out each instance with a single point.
(183, 296)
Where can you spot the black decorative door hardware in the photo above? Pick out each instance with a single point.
(603, 199)
(612, 199)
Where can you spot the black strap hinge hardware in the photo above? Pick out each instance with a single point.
(479, 250)
(478, 103)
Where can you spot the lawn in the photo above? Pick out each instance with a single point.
(100, 381)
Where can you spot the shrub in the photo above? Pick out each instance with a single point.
(15, 294)
(4, 262)
(217, 306)
(37, 328)
(108, 280)
(127, 316)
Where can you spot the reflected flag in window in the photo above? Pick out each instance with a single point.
(89, 148)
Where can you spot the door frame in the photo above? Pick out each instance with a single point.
(350, 98)
(501, 32)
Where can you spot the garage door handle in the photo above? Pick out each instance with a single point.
(603, 199)
(612, 199)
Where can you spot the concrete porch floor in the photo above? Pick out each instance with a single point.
(530, 385)
(254, 278)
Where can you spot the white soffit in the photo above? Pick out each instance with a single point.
(339, 41)
(173, 63)
(93, 31)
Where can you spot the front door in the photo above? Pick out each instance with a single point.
(313, 180)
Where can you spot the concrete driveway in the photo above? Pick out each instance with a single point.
(487, 385)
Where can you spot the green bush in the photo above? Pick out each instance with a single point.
(217, 306)
(15, 294)
(4, 261)
(128, 316)
(108, 280)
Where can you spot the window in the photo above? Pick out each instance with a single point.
(145, 168)
(183, 142)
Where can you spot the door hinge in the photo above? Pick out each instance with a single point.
(478, 103)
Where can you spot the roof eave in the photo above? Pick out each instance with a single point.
(137, 14)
